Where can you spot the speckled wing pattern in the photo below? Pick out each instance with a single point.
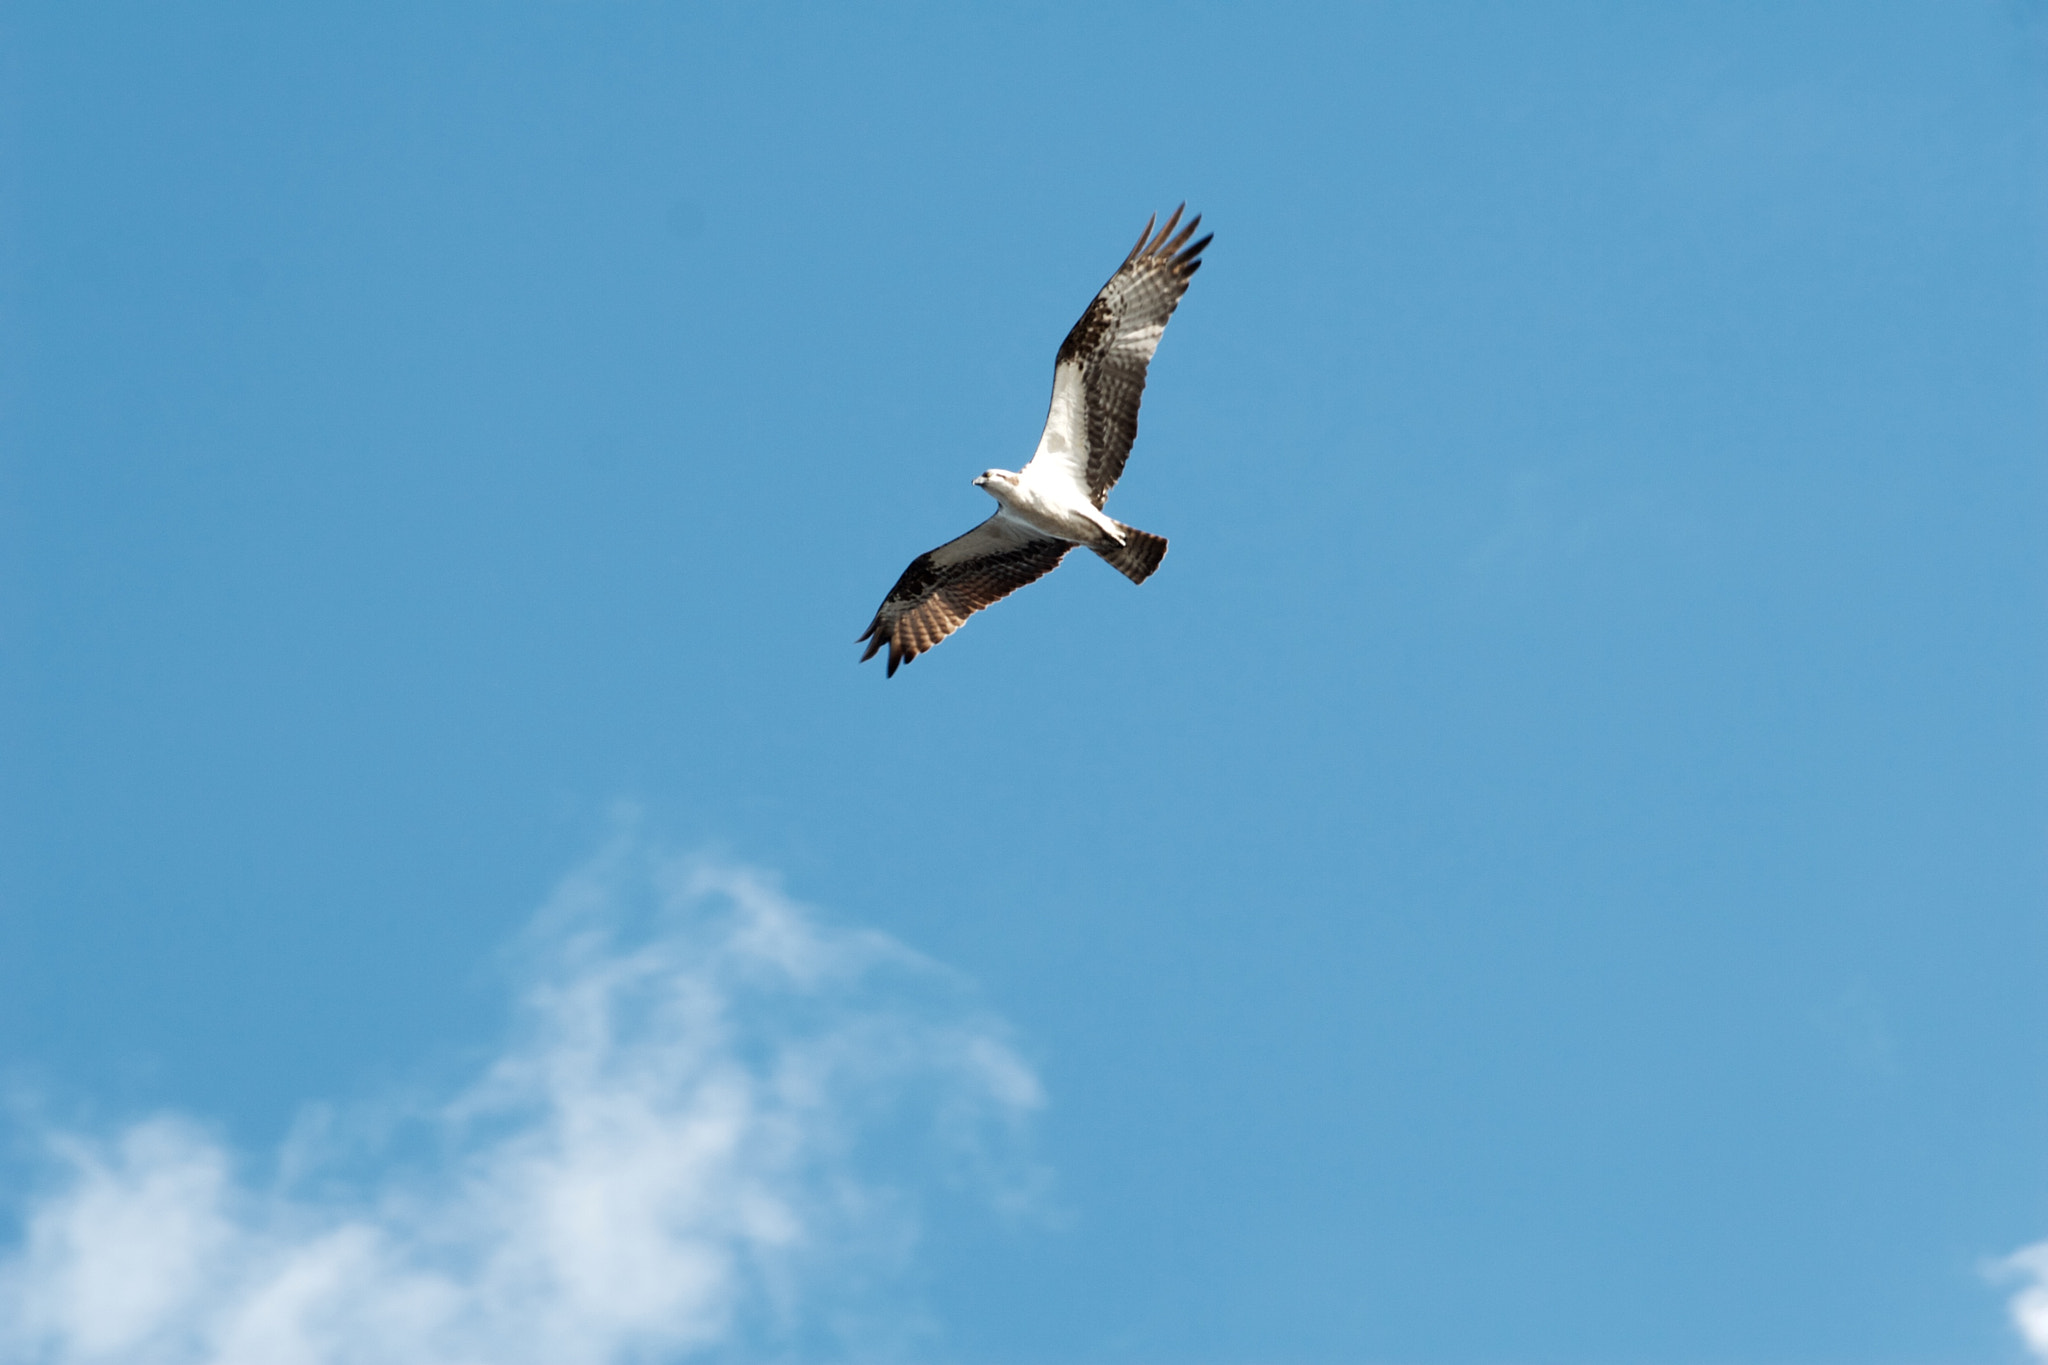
(942, 588)
(1099, 376)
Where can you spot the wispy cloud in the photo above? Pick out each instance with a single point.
(707, 1131)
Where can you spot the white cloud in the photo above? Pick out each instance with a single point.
(705, 1134)
(2029, 1307)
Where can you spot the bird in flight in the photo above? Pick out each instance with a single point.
(1054, 503)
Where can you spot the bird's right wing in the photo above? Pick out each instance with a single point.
(943, 587)
(1099, 377)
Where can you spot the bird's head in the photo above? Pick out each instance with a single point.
(996, 482)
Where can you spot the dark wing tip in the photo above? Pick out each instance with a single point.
(1168, 245)
(1166, 230)
(1143, 237)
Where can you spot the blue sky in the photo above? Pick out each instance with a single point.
(1550, 869)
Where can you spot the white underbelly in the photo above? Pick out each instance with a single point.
(1082, 525)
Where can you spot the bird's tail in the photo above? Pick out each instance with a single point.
(1138, 556)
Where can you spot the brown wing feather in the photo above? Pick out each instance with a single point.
(1114, 341)
(943, 587)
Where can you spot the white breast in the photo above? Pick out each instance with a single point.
(1055, 506)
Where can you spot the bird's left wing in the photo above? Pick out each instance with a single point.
(1100, 373)
(943, 587)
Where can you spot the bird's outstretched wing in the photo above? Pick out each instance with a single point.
(944, 587)
(1100, 373)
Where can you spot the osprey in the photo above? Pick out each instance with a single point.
(1055, 502)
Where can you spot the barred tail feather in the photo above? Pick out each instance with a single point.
(1138, 556)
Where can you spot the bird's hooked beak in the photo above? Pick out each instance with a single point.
(981, 480)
